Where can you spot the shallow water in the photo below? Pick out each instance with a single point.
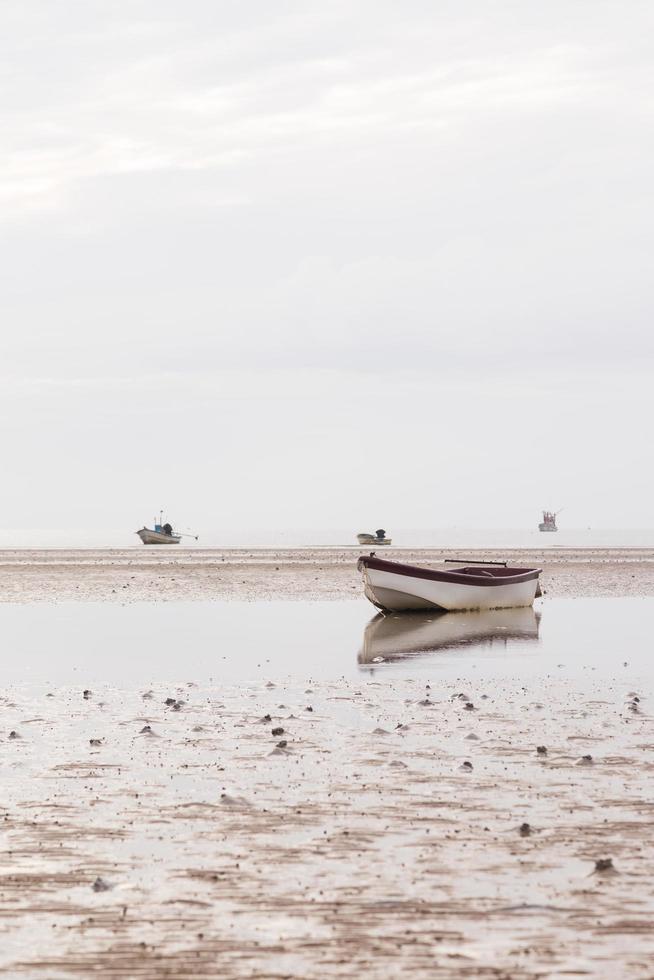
(232, 642)
(381, 836)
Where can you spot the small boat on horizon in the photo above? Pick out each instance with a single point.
(395, 587)
(549, 520)
(162, 533)
(379, 537)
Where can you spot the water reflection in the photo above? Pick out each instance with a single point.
(394, 636)
(238, 642)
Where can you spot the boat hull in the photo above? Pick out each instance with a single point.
(371, 539)
(547, 527)
(149, 536)
(395, 587)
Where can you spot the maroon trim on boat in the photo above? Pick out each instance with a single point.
(492, 575)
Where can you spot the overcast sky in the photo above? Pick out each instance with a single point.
(346, 263)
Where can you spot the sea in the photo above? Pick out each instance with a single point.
(405, 538)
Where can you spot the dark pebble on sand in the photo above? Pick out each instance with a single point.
(469, 706)
(278, 731)
(541, 750)
(14, 735)
(95, 741)
(100, 885)
(282, 744)
(467, 766)
(267, 718)
(604, 865)
(87, 694)
(170, 701)
(525, 830)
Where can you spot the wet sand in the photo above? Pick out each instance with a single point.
(381, 834)
(399, 827)
(156, 574)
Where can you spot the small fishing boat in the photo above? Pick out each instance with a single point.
(549, 520)
(395, 587)
(158, 535)
(162, 533)
(393, 636)
(379, 537)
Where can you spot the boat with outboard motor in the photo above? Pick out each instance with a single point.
(379, 537)
(393, 586)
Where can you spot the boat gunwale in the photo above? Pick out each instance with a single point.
(495, 578)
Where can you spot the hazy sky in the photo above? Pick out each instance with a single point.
(346, 263)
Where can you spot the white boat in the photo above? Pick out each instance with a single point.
(162, 533)
(394, 636)
(379, 537)
(393, 586)
(157, 535)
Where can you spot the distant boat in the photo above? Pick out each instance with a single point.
(379, 537)
(393, 586)
(162, 533)
(549, 520)
(159, 535)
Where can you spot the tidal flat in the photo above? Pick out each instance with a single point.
(437, 798)
(194, 574)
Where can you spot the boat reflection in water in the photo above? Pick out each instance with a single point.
(394, 636)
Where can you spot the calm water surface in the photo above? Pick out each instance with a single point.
(239, 641)
(447, 537)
